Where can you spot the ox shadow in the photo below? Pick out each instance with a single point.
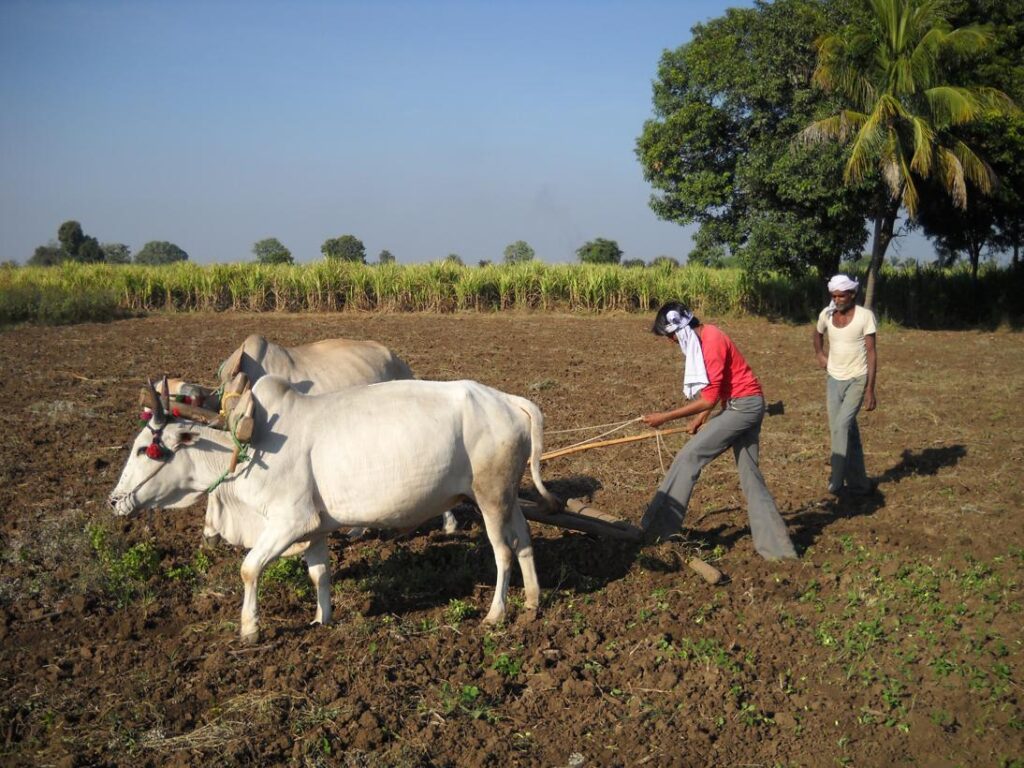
(434, 569)
(809, 522)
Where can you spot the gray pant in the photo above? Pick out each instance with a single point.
(738, 426)
(844, 401)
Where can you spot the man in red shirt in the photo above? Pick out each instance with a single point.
(715, 372)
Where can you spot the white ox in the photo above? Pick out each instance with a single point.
(313, 369)
(390, 455)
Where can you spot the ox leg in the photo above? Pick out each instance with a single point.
(449, 523)
(318, 560)
(268, 548)
(501, 536)
(524, 551)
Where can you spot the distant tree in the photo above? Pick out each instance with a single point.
(633, 264)
(89, 251)
(346, 248)
(71, 237)
(664, 262)
(269, 250)
(484, 263)
(116, 253)
(9, 264)
(386, 257)
(518, 251)
(454, 258)
(160, 252)
(599, 251)
(47, 255)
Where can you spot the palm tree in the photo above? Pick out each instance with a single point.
(889, 67)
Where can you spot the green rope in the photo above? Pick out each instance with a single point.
(243, 457)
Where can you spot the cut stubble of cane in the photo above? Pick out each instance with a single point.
(706, 571)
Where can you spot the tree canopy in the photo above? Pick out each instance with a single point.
(386, 257)
(270, 250)
(518, 252)
(901, 108)
(116, 253)
(599, 251)
(719, 151)
(345, 247)
(157, 252)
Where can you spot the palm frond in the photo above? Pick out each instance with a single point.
(952, 177)
(953, 105)
(838, 127)
(905, 190)
(924, 146)
(977, 171)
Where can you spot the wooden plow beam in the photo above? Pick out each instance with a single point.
(580, 516)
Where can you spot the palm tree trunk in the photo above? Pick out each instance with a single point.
(885, 220)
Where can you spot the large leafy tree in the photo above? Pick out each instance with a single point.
(719, 151)
(270, 250)
(890, 66)
(599, 251)
(157, 252)
(346, 248)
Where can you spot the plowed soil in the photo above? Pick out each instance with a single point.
(894, 640)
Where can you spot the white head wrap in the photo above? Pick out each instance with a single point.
(695, 374)
(840, 283)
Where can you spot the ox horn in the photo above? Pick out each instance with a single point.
(165, 394)
(153, 402)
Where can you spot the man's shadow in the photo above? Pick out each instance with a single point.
(806, 524)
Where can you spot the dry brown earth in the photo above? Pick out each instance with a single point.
(895, 640)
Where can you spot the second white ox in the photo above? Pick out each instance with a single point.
(389, 455)
(313, 369)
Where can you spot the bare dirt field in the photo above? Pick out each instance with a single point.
(894, 640)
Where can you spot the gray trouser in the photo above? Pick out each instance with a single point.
(844, 401)
(738, 426)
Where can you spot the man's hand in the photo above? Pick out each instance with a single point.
(822, 360)
(655, 420)
(697, 422)
(869, 400)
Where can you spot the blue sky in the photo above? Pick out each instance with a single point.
(423, 128)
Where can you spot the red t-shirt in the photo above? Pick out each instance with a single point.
(729, 376)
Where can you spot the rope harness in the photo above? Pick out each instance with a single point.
(615, 427)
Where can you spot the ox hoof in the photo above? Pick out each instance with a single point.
(210, 542)
(493, 619)
(451, 525)
(251, 637)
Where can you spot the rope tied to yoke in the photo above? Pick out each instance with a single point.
(615, 427)
(243, 457)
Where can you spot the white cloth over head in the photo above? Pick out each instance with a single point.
(695, 374)
(841, 284)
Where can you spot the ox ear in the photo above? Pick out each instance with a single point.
(240, 420)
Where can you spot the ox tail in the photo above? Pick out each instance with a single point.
(536, 448)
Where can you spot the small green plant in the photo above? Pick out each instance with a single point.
(125, 572)
(288, 572)
(508, 666)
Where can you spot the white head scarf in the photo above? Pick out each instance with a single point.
(695, 374)
(841, 283)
